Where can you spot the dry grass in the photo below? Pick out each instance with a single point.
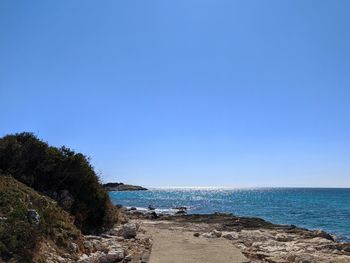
(19, 237)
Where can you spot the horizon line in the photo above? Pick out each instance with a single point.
(241, 187)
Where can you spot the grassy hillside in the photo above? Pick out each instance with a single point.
(31, 223)
(62, 174)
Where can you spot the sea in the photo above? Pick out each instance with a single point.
(327, 209)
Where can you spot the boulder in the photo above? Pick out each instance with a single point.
(129, 230)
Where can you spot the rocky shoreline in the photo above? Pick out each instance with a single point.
(259, 240)
(256, 239)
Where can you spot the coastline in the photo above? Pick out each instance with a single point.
(258, 240)
(325, 209)
(148, 237)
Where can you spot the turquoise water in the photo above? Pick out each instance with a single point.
(312, 208)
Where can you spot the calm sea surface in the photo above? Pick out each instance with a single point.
(313, 208)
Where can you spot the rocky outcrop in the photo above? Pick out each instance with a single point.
(260, 240)
(122, 243)
(122, 187)
(114, 253)
(276, 246)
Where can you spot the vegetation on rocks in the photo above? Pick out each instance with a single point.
(31, 222)
(123, 187)
(62, 174)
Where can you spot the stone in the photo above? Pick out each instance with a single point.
(116, 231)
(181, 208)
(231, 236)
(217, 233)
(208, 235)
(196, 234)
(129, 230)
(154, 215)
(345, 247)
(320, 233)
(60, 259)
(33, 216)
(85, 259)
(181, 212)
(73, 247)
(98, 245)
(283, 238)
(114, 255)
(88, 245)
(128, 258)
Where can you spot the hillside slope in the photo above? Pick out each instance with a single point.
(32, 225)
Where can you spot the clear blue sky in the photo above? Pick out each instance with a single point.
(184, 93)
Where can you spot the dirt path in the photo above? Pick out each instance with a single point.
(178, 245)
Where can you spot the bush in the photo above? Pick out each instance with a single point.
(62, 174)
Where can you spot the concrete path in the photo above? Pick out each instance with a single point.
(180, 246)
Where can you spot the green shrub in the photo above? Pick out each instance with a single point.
(59, 172)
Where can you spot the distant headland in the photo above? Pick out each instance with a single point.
(123, 187)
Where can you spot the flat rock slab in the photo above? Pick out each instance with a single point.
(180, 246)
